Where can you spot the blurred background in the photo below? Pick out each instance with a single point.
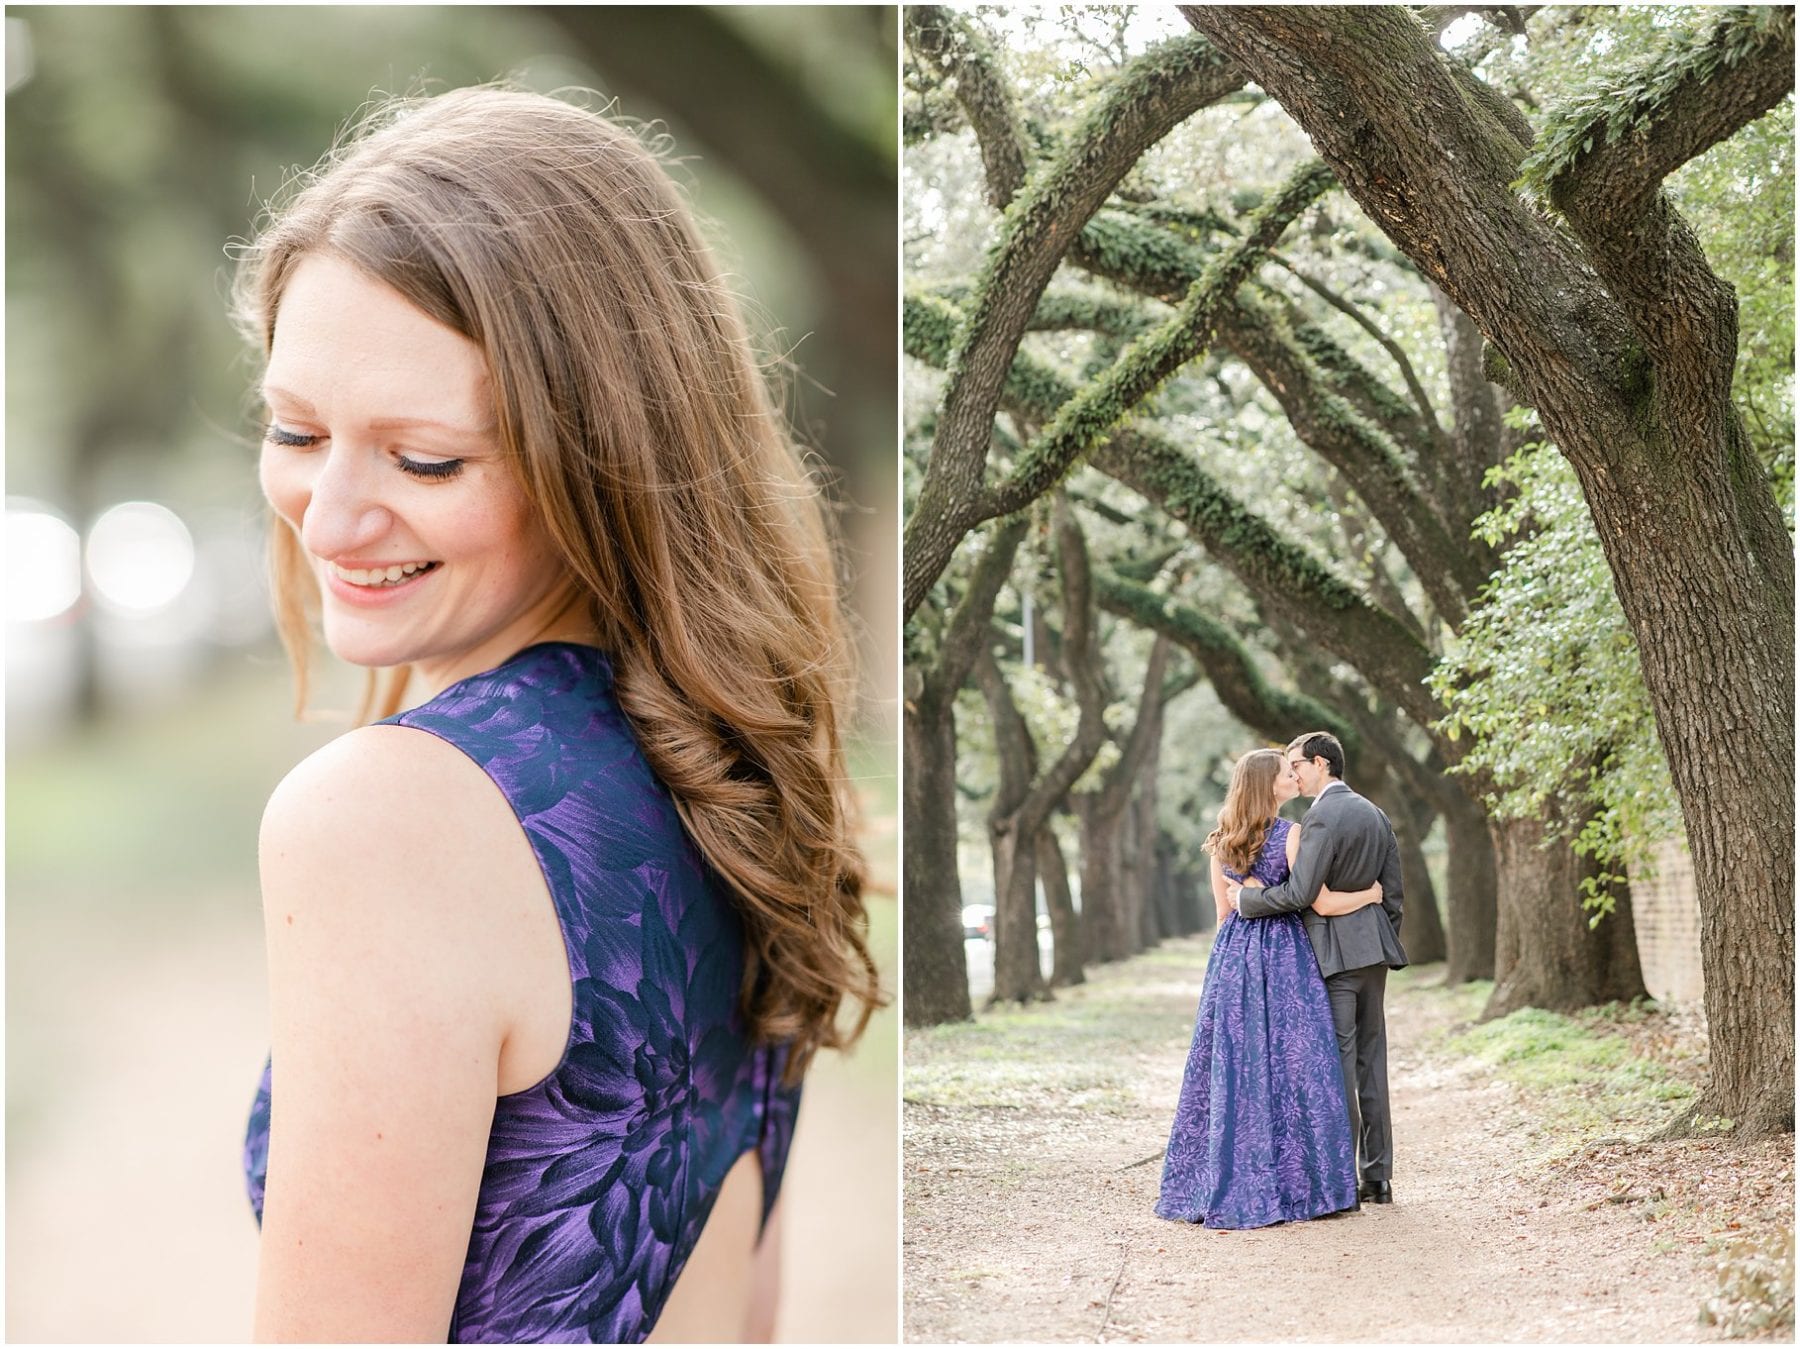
(148, 706)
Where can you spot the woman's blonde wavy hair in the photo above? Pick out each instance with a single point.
(1248, 811)
(634, 415)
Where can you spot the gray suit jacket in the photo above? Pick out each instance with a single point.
(1345, 843)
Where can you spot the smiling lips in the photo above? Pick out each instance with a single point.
(377, 577)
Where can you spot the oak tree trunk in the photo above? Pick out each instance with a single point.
(935, 972)
(1471, 881)
(1546, 955)
(1425, 941)
(1140, 864)
(1104, 910)
(1065, 922)
(1015, 820)
(1018, 969)
(934, 975)
(1018, 965)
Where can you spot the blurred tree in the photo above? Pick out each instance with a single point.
(143, 138)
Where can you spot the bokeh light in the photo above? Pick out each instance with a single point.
(140, 557)
(43, 564)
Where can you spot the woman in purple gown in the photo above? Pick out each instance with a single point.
(551, 943)
(1261, 1132)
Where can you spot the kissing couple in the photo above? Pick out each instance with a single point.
(1287, 1078)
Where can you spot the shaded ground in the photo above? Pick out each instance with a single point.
(1033, 1146)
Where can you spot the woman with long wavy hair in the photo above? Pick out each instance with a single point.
(1261, 1132)
(552, 943)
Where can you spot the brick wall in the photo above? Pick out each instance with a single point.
(1668, 925)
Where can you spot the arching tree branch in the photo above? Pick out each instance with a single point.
(1269, 711)
(1149, 97)
(959, 52)
(1147, 362)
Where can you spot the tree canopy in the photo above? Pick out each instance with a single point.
(1414, 432)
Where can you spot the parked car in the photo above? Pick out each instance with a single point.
(978, 920)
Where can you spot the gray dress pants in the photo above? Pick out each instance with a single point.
(1361, 1025)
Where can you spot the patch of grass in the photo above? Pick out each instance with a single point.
(1178, 953)
(1079, 1051)
(992, 1082)
(1047, 1029)
(1464, 1001)
(1633, 1013)
(1586, 1082)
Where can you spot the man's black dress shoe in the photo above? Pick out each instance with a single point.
(1375, 1192)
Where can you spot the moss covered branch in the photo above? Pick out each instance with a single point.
(1086, 419)
(1269, 711)
(1602, 161)
(960, 54)
(1422, 408)
(1611, 145)
(1278, 571)
(1148, 98)
(969, 621)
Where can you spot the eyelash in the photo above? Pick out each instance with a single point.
(438, 469)
(435, 470)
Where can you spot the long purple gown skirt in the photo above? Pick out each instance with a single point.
(1261, 1132)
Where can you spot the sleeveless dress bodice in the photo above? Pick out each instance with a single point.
(599, 1179)
(1261, 1133)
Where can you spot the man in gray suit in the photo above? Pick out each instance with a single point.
(1346, 842)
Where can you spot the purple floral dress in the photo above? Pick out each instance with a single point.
(599, 1179)
(1261, 1132)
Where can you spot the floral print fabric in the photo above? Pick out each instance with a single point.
(600, 1178)
(1261, 1132)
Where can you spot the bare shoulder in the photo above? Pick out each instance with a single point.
(336, 784)
(388, 824)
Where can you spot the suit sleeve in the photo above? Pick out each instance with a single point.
(1317, 848)
(1391, 896)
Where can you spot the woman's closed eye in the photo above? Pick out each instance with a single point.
(429, 468)
(434, 469)
(278, 435)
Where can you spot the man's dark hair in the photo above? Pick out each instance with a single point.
(1322, 745)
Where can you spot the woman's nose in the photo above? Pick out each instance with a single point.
(345, 514)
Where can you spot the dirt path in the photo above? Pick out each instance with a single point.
(1028, 1207)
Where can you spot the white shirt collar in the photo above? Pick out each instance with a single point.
(1335, 782)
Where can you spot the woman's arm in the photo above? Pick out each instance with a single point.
(1221, 897)
(1336, 903)
(1332, 903)
(386, 875)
